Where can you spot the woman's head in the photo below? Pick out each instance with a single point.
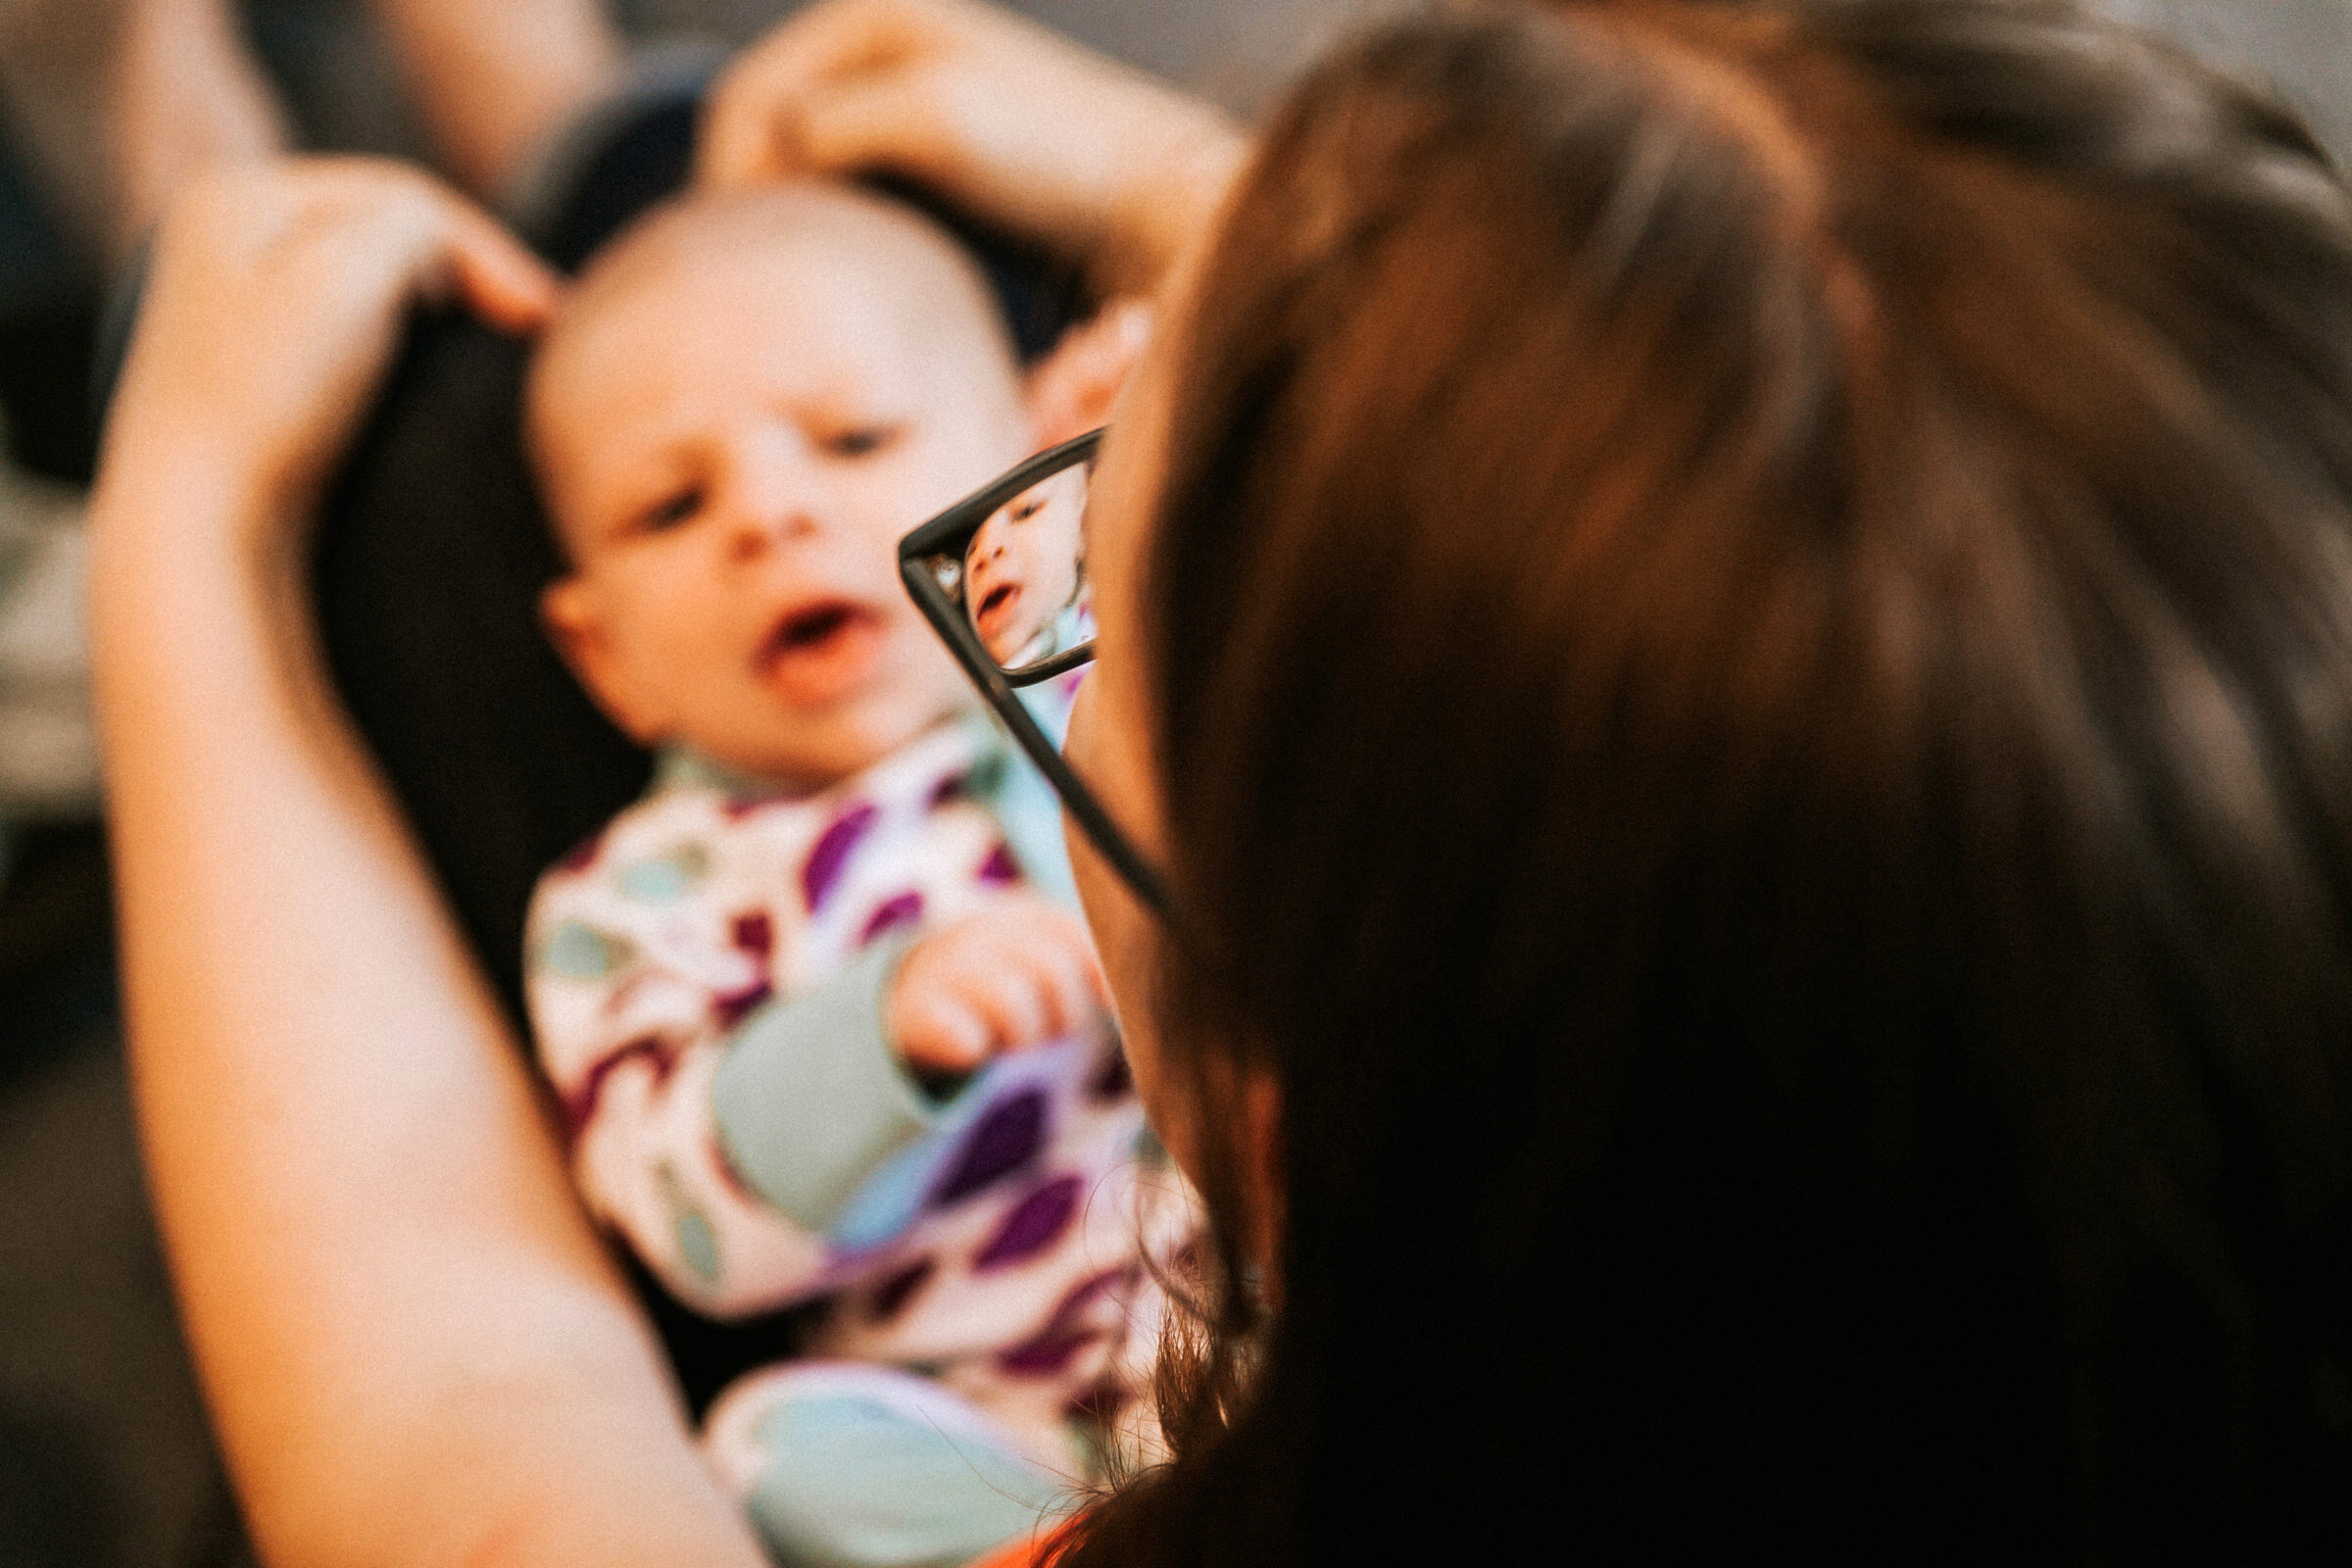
(1743, 620)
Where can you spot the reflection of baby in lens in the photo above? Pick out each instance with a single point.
(819, 1020)
(1021, 577)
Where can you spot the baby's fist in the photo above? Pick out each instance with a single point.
(1018, 973)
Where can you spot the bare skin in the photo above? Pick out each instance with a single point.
(120, 102)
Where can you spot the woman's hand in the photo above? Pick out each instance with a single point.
(1014, 123)
(275, 298)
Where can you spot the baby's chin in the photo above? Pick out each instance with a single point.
(809, 752)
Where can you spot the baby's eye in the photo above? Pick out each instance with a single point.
(859, 440)
(670, 510)
(1026, 507)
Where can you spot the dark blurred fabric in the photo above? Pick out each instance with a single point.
(430, 560)
(48, 319)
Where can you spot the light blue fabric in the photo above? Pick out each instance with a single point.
(577, 950)
(854, 1482)
(1029, 810)
(810, 1099)
(889, 1199)
(677, 767)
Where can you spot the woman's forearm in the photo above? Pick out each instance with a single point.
(1010, 119)
(496, 81)
(1163, 214)
(413, 1345)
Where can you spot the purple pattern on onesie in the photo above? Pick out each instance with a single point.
(998, 869)
(753, 932)
(1004, 1139)
(580, 1107)
(730, 1007)
(1052, 1347)
(583, 856)
(891, 1297)
(832, 854)
(1035, 1224)
(905, 910)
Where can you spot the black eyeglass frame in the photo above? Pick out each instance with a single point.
(950, 534)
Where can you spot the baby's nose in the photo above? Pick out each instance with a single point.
(775, 493)
(762, 525)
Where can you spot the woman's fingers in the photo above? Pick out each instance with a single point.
(868, 123)
(1011, 1004)
(1069, 980)
(940, 1034)
(754, 127)
(273, 301)
(1013, 121)
(496, 274)
(401, 235)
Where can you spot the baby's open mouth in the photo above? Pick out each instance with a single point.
(994, 604)
(818, 652)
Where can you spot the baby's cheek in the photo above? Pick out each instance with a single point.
(935, 674)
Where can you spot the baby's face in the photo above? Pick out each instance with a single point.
(1021, 569)
(733, 439)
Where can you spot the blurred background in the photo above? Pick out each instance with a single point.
(104, 1456)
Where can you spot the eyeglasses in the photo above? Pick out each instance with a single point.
(1001, 575)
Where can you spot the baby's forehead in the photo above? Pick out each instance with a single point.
(820, 289)
(741, 248)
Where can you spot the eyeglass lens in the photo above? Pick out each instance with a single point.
(1021, 581)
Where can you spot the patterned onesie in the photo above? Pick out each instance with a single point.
(705, 983)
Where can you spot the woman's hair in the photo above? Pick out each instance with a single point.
(1751, 630)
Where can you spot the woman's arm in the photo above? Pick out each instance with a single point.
(496, 81)
(1018, 124)
(414, 1348)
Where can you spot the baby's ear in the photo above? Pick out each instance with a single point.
(574, 623)
(1070, 390)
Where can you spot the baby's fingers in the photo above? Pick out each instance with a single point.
(937, 1032)
(1068, 981)
(1010, 998)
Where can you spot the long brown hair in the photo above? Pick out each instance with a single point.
(1751, 624)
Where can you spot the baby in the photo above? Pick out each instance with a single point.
(816, 1011)
(1023, 575)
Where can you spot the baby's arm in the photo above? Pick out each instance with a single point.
(724, 1143)
(633, 1018)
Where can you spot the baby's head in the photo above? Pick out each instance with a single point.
(743, 404)
(1023, 573)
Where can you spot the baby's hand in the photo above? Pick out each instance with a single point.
(1017, 974)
